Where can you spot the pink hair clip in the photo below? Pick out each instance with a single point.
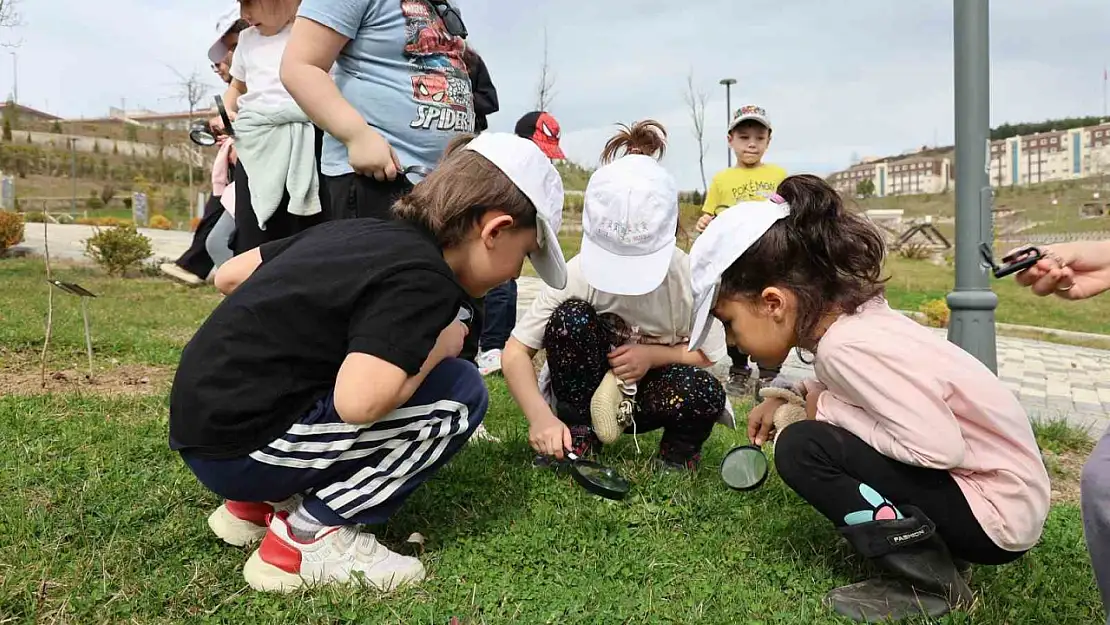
(776, 198)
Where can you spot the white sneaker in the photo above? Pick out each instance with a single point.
(483, 435)
(179, 274)
(242, 523)
(338, 555)
(489, 362)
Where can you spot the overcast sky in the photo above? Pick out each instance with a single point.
(840, 78)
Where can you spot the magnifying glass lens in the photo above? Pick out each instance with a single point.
(744, 468)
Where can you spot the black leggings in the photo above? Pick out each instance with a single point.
(683, 400)
(850, 483)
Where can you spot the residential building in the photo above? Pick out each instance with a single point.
(922, 171)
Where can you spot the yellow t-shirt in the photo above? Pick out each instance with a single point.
(742, 184)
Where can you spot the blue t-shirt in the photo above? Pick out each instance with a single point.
(402, 71)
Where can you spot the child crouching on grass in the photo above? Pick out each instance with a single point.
(912, 448)
(325, 387)
(616, 335)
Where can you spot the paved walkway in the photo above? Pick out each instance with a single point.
(1053, 381)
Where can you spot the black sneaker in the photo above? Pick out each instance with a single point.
(738, 382)
(674, 457)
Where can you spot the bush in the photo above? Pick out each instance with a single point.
(118, 249)
(936, 313)
(56, 127)
(105, 222)
(193, 223)
(161, 222)
(915, 251)
(127, 202)
(34, 217)
(11, 230)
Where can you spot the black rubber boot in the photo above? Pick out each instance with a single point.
(923, 577)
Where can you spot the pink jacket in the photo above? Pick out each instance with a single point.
(222, 185)
(922, 400)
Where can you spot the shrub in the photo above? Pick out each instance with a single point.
(193, 223)
(56, 128)
(936, 313)
(34, 217)
(161, 222)
(915, 251)
(106, 222)
(118, 249)
(11, 230)
(127, 202)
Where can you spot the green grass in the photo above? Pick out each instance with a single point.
(134, 321)
(102, 523)
(1058, 436)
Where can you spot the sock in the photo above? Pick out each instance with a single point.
(303, 524)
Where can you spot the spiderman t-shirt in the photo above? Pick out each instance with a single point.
(403, 71)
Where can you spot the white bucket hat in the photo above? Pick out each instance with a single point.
(532, 172)
(629, 221)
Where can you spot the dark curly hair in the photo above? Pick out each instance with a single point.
(829, 257)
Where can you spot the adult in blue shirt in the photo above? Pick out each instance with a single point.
(400, 92)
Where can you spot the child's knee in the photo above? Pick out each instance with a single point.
(463, 384)
(571, 317)
(795, 448)
(707, 396)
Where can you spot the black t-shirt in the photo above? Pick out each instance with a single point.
(273, 348)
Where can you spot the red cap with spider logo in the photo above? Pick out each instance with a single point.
(543, 130)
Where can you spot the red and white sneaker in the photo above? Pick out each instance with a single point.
(338, 555)
(242, 523)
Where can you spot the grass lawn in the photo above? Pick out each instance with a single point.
(103, 524)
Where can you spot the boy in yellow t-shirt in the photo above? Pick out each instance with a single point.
(749, 135)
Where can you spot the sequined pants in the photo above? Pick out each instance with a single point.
(683, 400)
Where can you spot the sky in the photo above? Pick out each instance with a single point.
(840, 79)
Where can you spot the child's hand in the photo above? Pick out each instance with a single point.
(371, 155)
(703, 222)
(631, 362)
(549, 436)
(450, 341)
(761, 420)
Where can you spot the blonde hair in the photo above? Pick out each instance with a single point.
(647, 137)
(453, 198)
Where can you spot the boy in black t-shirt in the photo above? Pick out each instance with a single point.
(325, 388)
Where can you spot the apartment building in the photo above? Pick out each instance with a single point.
(923, 171)
(1050, 156)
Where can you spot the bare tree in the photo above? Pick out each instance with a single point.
(697, 100)
(10, 19)
(192, 89)
(545, 91)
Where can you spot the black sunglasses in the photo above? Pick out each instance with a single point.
(452, 21)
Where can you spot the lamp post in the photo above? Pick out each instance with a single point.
(15, 77)
(728, 83)
(972, 302)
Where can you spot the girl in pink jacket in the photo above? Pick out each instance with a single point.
(915, 451)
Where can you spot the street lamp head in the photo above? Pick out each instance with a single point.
(728, 81)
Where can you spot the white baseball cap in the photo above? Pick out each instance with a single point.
(532, 172)
(749, 112)
(227, 21)
(629, 219)
(725, 240)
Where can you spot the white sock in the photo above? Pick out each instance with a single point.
(303, 524)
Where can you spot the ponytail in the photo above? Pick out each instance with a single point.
(647, 137)
(829, 257)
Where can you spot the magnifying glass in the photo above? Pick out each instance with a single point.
(201, 135)
(228, 130)
(744, 468)
(597, 478)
